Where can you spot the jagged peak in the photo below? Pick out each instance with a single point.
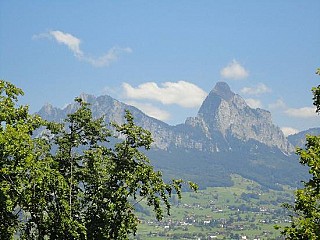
(48, 105)
(87, 97)
(220, 92)
(223, 90)
(48, 108)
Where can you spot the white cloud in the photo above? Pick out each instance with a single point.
(73, 43)
(253, 103)
(304, 112)
(279, 104)
(70, 41)
(234, 71)
(183, 93)
(257, 90)
(151, 110)
(111, 56)
(289, 131)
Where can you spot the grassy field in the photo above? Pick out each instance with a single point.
(243, 211)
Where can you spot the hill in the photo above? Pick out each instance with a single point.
(299, 139)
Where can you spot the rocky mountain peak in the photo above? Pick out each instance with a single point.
(223, 90)
(224, 113)
(48, 108)
(51, 111)
(87, 97)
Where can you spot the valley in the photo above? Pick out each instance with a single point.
(244, 165)
(245, 210)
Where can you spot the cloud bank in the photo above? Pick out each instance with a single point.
(234, 71)
(257, 90)
(253, 103)
(289, 131)
(73, 43)
(304, 112)
(182, 93)
(150, 110)
(278, 104)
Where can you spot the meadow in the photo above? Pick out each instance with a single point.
(245, 210)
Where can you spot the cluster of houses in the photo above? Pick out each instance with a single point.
(220, 225)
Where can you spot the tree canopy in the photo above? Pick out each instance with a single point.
(68, 181)
(306, 209)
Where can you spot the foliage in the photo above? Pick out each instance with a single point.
(306, 210)
(69, 182)
(16, 155)
(316, 94)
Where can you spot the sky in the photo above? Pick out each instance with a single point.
(164, 57)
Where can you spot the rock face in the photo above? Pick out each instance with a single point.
(226, 115)
(224, 123)
(113, 111)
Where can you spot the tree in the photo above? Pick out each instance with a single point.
(306, 209)
(79, 179)
(16, 155)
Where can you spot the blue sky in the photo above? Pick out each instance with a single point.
(165, 56)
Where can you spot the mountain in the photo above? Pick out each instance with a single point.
(299, 139)
(226, 136)
(223, 118)
(225, 115)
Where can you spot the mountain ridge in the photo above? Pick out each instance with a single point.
(226, 137)
(222, 116)
(299, 139)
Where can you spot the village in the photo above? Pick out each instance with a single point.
(207, 216)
